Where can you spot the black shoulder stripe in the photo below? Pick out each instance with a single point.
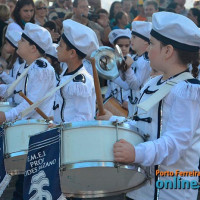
(193, 81)
(80, 78)
(41, 63)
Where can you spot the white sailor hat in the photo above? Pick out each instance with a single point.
(13, 37)
(82, 38)
(179, 31)
(38, 36)
(52, 51)
(116, 34)
(142, 29)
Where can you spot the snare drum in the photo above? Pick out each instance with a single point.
(5, 106)
(87, 163)
(16, 143)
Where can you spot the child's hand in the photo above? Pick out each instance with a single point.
(129, 61)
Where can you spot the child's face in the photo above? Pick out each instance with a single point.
(24, 48)
(26, 13)
(155, 54)
(62, 53)
(137, 43)
(9, 48)
(124, 44)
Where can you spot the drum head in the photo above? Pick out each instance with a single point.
(88, 168)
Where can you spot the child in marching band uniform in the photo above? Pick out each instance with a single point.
(175, 118)
(40, 77)
(119, 88)
(79, 99)
(10, 47)
(139, 67)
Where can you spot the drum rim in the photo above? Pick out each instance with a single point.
(26, 122)
(6, 104)
(95, 194)
(101, 163)
(99, 123)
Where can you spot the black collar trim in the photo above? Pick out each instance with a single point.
(73, 72)
(161, 82)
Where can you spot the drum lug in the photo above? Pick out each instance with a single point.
(146, 137)
(6, 155)
(62, 168)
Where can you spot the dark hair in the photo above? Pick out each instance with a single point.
(50, 24)
(196, 13)
(20, 4)
(75, 3)
(118, 16)
(172, 5)
(56, 66)
(101, 10)
(186, 58)
(12, 61)
(70, 46)
(154, 3)
(112, 15)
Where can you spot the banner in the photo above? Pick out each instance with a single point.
(41, 177)
(4, 177)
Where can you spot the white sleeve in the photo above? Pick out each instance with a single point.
(38, 85)
(3, 90)
(136, 80)
(108, 92)
(179, 132)
(7, 78)
(121, 83)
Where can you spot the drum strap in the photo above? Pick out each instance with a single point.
(36, 104)
(15, 83)
(163, 91)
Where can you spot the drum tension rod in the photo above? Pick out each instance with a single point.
(116, 124)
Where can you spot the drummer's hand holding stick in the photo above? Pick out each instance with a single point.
(106, 116)
(124, 152)
(36, 109)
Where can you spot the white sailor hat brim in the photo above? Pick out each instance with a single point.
(13, 37)
(116, 34)
(52, 51)
(142, 29)
(179, 31)
(38, 36)
(82, 38)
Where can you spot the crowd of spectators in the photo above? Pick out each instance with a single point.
(15, 14)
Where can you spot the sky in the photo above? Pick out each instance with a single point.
(106, 4)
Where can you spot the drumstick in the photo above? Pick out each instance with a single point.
(36, 109)
(97, 88)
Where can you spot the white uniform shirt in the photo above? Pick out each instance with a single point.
(9, 78)
(79, 98)
(119, 89)
(39, 80)
(178, 148)
(136, 76)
